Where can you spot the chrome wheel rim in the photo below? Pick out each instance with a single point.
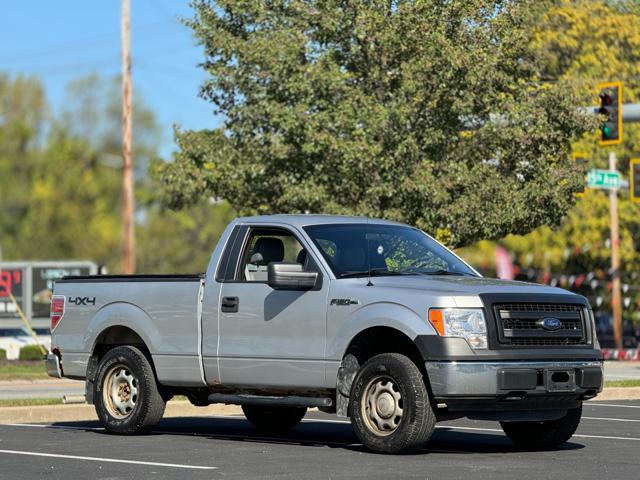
(120, 391)
(382, 405)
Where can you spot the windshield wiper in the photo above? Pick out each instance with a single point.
(374, 272)
(440, 271)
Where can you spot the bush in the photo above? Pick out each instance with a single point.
(3, 354)
(30, 352)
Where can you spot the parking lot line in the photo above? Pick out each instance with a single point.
(108, 460)
(612, 419)
(452, 427)
(610, 405)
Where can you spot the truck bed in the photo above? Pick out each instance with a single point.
(163, 310)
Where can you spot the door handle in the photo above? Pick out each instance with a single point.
(229, 304)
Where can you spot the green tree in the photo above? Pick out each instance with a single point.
(59, 193)
(586, 42)
(180, 241)
(365, 108)
(23, 115)
(60, 182)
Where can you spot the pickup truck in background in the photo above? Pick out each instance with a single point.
(369, 319)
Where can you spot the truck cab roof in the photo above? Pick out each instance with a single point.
(302, 220)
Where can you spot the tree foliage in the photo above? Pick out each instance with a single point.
(586, 42)
(365, 108)
(60, 183)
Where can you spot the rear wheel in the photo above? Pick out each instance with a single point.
(274, 419)
(126, 395)
(540, 435)
(390, 408)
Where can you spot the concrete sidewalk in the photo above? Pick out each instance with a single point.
(46, 388)
(615, 370)
(78, 412)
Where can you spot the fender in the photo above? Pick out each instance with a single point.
(379, 314)
(122, 314)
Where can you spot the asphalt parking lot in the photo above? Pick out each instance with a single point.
(323, 446)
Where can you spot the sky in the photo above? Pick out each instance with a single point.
(61, 40)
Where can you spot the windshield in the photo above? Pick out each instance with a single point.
(354, 250)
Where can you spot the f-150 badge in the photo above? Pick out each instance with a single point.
(344, 301)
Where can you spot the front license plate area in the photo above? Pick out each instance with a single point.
(560, 380)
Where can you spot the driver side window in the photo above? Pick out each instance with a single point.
(266, 245)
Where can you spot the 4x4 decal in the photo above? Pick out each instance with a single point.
(83, 301)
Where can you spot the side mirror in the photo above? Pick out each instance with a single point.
(290, 276)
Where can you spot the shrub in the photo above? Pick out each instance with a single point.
(3, 354)
(30, 352)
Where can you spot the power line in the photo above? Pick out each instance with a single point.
(103, 38)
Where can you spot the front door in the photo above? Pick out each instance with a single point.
(272, 337)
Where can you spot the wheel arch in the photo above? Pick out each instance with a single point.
(120, 322)
(113, 325)
(383, 339)
(366, 344)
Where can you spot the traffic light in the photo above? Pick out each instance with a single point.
(634, 179)
(580, 160)
(610, 107)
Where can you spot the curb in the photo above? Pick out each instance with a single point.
(619, 393)
(84, 412)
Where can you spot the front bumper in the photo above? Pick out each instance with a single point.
(52, 363)
(514, 380)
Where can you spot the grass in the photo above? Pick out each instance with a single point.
(29, 402)
(622, 383)
(22, 370)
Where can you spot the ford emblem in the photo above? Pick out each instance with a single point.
(551, 323)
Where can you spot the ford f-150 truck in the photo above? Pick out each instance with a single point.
(370, 319)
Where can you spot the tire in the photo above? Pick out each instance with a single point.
(274, 419)
(543, 435)
(126, 395)
(390, 408)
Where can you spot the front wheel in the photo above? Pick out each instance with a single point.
(273, 419)
(541, 435)
(390, 408)
(126, 395)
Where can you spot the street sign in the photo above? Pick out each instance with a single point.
(11, 283)
(30, 284)
(42, 279)
(607, 179)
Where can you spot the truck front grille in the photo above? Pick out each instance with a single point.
(521, 324)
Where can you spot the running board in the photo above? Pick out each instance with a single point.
(289, 401)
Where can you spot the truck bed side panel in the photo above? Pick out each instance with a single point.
(163, 313)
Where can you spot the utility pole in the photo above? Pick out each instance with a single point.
(128, 226)
(616, 294)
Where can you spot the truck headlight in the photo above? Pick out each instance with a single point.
(468, 323)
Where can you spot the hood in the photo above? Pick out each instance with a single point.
(457, 285)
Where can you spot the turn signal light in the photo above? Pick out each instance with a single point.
(437, 320)
(57, 310)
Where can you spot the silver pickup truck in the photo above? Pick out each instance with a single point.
(365, 318)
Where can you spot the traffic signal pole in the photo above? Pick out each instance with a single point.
(616, 294)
